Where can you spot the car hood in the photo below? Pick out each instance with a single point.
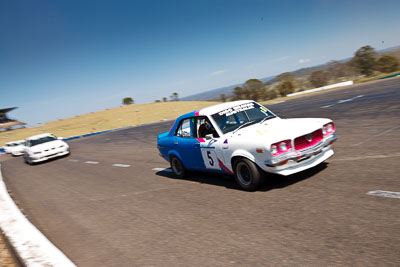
(277, 129)
(47, 145)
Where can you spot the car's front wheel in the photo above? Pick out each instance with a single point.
(247, 174)
(27, 159)
(177, 167)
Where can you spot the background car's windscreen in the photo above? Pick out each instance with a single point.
(42, 140)
(230, 119)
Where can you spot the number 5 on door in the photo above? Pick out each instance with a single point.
(210, 158)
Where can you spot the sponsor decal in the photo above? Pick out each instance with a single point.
(224, 167)
(226, 141)
(264, 110)
(236, 109)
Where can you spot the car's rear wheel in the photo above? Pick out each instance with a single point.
(247, 174)
(177, 167)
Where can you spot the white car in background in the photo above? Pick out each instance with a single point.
(18, 148)
(43, 147)
(7, 147)
(15, 148)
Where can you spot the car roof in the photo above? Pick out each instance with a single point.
(15, 142)
(38, 136)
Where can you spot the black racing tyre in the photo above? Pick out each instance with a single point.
(177, 167)
(247, 174)
(27, 159)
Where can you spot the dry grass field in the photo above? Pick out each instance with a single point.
(123, 116)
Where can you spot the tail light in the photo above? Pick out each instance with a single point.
(281, 147)
(328, 128)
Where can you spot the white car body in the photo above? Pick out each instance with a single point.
(52, 147)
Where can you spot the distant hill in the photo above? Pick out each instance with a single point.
(228, 90)
(212, 94)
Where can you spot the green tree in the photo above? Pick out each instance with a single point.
(222, 98)
(127, 101)
(254, 89)
(287, 83)
(174, 97)
(238, 93)
(285, 76)
(339, 70)
(319, 78)
(387, 63)
(164, 99)
(364, 60)
(157, 101)
(286, 87)
(270, 94)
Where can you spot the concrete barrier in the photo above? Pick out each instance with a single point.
(31, 246)
(323, 88)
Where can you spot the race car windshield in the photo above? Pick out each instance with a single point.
(232, 118)
(43, 140)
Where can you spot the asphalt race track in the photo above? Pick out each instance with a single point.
(102, 214)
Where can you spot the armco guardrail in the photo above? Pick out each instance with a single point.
(390, 76)
(323, 88)
(95, 133)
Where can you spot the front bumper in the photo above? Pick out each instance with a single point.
(41, 158)
(297, 161)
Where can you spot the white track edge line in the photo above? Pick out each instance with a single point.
(32, 247)
(121, 165)
(382, 193)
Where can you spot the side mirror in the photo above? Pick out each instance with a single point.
(209, 137)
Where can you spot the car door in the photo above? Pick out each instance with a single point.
(187, 146)
(209, 148)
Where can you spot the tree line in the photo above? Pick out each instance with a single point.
(173, 97)
(365, 63)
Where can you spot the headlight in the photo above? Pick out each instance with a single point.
(281, 147)
(328, 128)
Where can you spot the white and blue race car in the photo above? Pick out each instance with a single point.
(247, 140)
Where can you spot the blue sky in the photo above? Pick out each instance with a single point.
(63, 58)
